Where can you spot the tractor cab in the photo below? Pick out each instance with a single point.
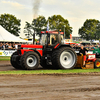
(50, 38)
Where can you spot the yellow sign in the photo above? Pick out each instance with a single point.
(0, 53)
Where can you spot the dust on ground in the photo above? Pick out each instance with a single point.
(48, 87)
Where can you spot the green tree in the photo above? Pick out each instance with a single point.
(58, 22)
(98, 31)
(36, 27)
(89, 29)
(39, 24)
(28, 30)
(10, 23)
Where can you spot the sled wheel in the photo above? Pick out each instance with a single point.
(97, 64)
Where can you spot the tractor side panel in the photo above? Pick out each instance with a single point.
(22, 51)
(35, 48)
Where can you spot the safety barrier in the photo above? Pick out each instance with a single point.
(6, 52)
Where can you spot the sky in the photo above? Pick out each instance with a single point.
(75, 11)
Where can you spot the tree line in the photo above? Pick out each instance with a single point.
(89, 31)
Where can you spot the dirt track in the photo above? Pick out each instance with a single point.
(48, 87)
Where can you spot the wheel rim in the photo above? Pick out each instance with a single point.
(31, 61)
(98, 64)
(67, 59)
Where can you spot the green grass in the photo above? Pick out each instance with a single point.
(4, 58)
(17, 72)
(45, 71)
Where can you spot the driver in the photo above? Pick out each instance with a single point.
(54, 40)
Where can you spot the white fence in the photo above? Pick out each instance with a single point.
(6, 52)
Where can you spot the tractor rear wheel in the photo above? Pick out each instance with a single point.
(97, 64)
(30, 60)
(15, 60)
(64, 58)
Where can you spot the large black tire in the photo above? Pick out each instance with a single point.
(97, 64)
(30, 60)
(15, 63)
(64, 58)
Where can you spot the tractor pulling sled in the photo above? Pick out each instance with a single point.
(50, 53)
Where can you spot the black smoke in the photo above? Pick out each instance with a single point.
(36, 6)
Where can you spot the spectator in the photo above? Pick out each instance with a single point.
(3, 46)
(13, 46)
(16, 46)
(0, 45)
(10, 46)
(37, 42)
(6, 46)
(87, 47)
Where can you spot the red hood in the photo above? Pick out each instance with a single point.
(31, 46)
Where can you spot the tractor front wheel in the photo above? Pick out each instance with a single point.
(15, 61)
(30, 60)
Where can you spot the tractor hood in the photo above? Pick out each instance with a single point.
(29, 46)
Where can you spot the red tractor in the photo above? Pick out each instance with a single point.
(50, 53)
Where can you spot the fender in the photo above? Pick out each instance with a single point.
(61, 45)
(39, 52)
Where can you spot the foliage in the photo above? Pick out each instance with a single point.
(39, 24)
(28, 30)
(10, 23)
(98, 31)
(58, 22)
(90, 29)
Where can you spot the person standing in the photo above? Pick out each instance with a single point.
(83, 51)
(1, 46)
(6, 46)
(10, 46)
(16, 46)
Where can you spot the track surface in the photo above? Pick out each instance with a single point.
(48, 87)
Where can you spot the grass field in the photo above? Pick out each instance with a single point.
(20, 72)
(4, 58)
